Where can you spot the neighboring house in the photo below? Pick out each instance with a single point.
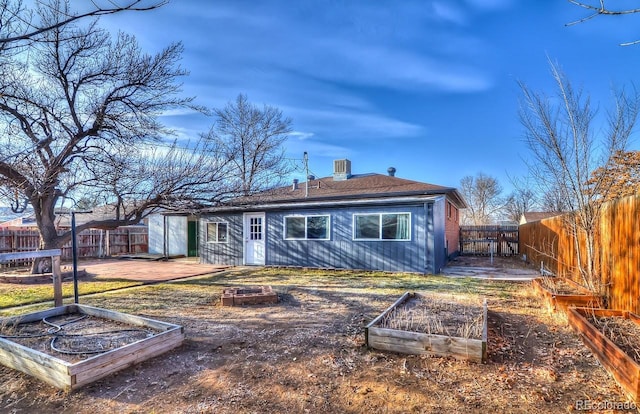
(10, 220)
(529, 216)
(361, 221)
(27, 221)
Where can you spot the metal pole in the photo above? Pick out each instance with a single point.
(74, 252)
(74, 255)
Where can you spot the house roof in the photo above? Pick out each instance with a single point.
(529, 216)
(98, 213)
(357, 187)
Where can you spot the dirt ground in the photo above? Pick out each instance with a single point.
(306, 354)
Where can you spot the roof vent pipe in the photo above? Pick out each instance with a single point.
(295, 184)
(391, 171)
(311, 177)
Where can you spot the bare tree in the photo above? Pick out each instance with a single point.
(566, 149)
(78, 118)
(253, 139)
(600, 9)
(482, 194)
(519, 202)
(20, 24)
(553, 201)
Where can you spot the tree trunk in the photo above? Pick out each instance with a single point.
(49, 239)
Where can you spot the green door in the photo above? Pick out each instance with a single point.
(192, 238)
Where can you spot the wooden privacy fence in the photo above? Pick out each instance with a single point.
(501, 240)
(617, 250)
(91, 243)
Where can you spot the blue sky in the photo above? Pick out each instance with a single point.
(429, 87)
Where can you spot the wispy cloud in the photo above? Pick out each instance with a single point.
(301, 136)
(317, 149)
(370, 49)
(449, 12)
(336, 125)
(399, 69)
(178, 112)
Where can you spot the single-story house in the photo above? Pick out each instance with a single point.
(352, 221)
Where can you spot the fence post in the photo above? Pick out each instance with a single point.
(57, 281)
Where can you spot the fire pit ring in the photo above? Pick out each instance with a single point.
(248, 295)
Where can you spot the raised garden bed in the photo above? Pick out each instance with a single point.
(424, 325)
(254, 295)
(559, 293)
(614, 337)
(47, 346)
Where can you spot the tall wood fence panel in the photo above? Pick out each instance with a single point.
(91, 243)
(617, 250)
(548, 243)
(620, 252)
(485, 240)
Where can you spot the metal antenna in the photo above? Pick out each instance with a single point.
(306, 167)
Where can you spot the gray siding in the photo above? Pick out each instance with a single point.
(229, 253)
(430, 264)
(340, 251)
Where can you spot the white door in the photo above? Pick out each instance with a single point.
(254, 238)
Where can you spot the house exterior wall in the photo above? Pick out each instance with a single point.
(229, 253)
(452, 229)
(424, 253)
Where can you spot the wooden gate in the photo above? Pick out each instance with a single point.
(485, 240)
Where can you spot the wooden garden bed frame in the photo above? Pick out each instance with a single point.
(621, 366)
(418, 343)
(561, 302)
(70, 376)
(56, 274)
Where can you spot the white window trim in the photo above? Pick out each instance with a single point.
(206, 229)
(284, 226)
(353, 226)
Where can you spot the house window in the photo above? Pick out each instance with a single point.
(449, 208)
(306, 228)
(217, 232)
(383, 226)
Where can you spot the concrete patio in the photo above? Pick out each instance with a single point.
(147, 271)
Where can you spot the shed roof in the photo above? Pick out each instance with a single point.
(529, 216)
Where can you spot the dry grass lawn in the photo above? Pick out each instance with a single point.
(307, 355)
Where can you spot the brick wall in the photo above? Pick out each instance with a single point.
(451, 227)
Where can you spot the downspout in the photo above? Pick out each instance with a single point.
(430, 237)
(426, 238)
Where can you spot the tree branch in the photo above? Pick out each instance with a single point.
(96, 12)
